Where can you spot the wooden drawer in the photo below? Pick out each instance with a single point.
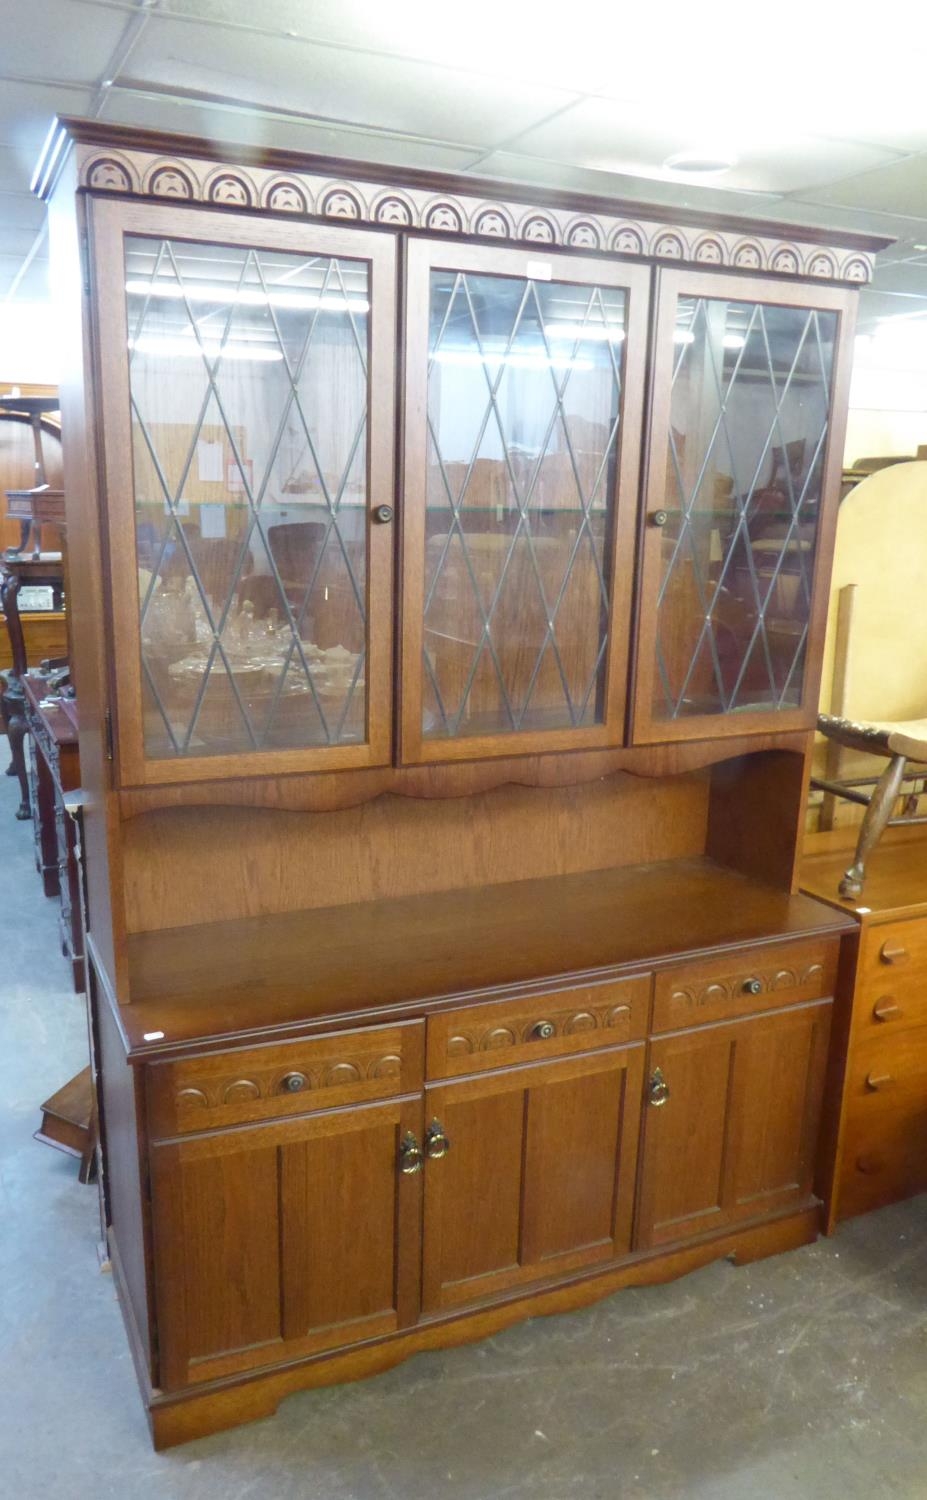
(884, 1148)
(284, 1078)
(533, 1027)
(891, 983)
(722, 988)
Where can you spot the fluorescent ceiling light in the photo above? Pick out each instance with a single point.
(246, 296)
(209, 348)
(701, 163)
(517, 361)
(580, 331)
(734, 341)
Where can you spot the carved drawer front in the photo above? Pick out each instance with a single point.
(284, 1078)
(891, 985)
(742, 984)
(553, 1024)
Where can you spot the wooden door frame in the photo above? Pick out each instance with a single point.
(110, 220)
(646, 729)
(543, 264)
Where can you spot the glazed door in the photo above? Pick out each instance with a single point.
(537, 1179)
(277, 1241)
(524, 375)
(748, 418)
(247, 377)
(731, 1123)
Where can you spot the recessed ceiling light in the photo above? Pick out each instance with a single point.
(701, 163)
(920, 247)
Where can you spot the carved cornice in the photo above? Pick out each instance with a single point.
(181, 169)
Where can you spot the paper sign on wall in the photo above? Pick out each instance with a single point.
(209, 462)
(212, 520)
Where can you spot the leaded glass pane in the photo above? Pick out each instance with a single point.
(744, 469)
(524, 395)
(248, 380)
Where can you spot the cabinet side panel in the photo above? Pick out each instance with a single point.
(756, 814)
(121, 1120)
(86, 608)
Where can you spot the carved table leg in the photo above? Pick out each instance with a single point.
(12, 706)
(873, 825)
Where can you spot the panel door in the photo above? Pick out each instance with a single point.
(538, 1178)
(247, 378)
(524, 376)
(731, 1123)
(275, 1241)
(749, 410)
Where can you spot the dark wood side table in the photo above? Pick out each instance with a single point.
(16, 572)
(55, 771)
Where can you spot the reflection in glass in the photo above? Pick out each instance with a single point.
(248, 379)
(744, 470)
(524, 386)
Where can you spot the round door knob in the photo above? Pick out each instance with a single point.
(383, 514)
(753, 986)
(893, 953)
(659, 518)
(542, 1031)
(886, 1009)
(293, 1083)
(877, 1081)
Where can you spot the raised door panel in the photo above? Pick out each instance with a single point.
(538, 1180)
(750, 389)
(732, 1124)
(524, 383)
(682, 1182)
(282, 1240)
(247, 376)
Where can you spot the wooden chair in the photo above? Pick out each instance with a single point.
(875, 704)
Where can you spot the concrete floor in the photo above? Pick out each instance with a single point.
(801, 1378)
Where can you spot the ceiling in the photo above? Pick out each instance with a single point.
(824, 123)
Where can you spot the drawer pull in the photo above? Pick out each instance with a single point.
(542, 1031)
(411, 1156)
(893, 953)
(436, 1141)
(658, 1089)
(293, 1083)
(877, 1081)
(886, 1009)
(753, 986)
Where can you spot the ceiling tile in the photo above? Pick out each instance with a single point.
(895, 188)
(511, 166)
(20, 211)
(611, 135)
(26, 112)
(505, 42)
(34, 285)
(61, 40)
(243, 127)
(338, 86)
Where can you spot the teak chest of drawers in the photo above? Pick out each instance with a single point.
(881, 1134)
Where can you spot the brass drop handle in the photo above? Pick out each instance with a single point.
(293, 1083)
(753, 986)
(383, 514)
(886, 1009)
(542, 1031)
(893, 953)
(658, 1089)
(436, 1141)
(659, 518)
(411, 1156)
(877, 1081)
